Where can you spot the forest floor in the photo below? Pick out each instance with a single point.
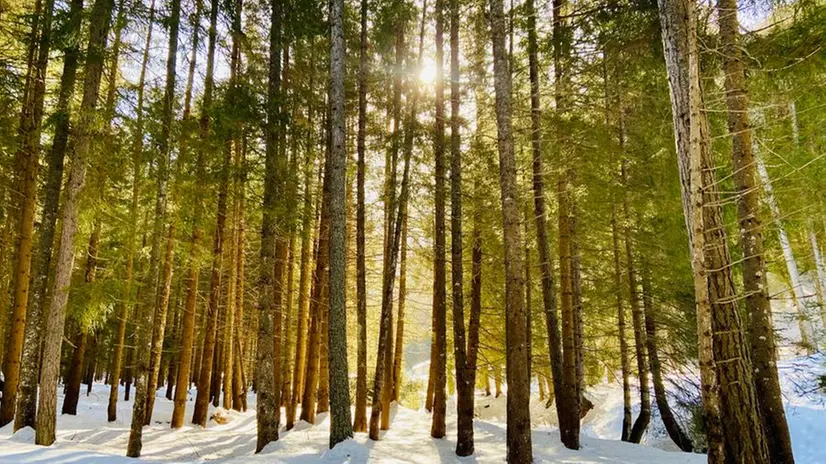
(88, 438)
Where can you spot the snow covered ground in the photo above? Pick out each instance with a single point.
(88, 438)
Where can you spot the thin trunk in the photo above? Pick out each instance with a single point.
(396, 214)
(638, 320)
(239, 402)
(199, 414)
(148, 362)
(398, 354)
(671, 425)
(55, 317)
(190, 304)
(518, 415)
(820, 267)
(541, 215)
(623, 343)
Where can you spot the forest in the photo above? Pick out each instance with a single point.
(412, 230)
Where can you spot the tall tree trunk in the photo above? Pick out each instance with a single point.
(55, 317)
(190, 304)
(761, 333)
(146, 369)
(341, 426)
(395, 216)
(268, 354)
(437, 429)
(323, 393)
(307, 226)
(719, 327)
(30, 361)
(239, 402)
(25, 191)
(623, 343)
(541, 214)
(465, 379)
(518, 415)
(199, 415)
(360, 421)
(820, 267)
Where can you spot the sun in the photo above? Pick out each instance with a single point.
(427, 74)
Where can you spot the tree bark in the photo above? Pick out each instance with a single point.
(758, 309)
(100, 20)
(623, 343)
(518, 415)
(25, 189)
(30, 361)
(360, 421)
(719, 327)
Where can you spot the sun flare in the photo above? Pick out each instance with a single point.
(428, 72)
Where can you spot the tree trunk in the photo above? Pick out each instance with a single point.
(146, 369)
(190, 304)
(719, 327)
(73, 377)
(268, 356)
(25, 195)
(623, 343)
(360, 421)
(763, 349)
(396, 212)
(30, 361)
(671, 425)
(398, 355)
(518, 415)
(638, 319)
(100, 20)
(340, 422)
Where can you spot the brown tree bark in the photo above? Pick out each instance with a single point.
(722, 348)
(761, 330)
(398, 349)
(30, 361)
(54, 318)
(671, 425)
(190, 304)
(518, 415)
(360, 421)
(395, 215)
(73, 376)
(625, 365)
(437, 429)
(25, 195)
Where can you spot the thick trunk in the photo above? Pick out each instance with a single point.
(758, 309)
(54, 318)
(518, 416)
(719, 326)
(340, 422)
(30, 361)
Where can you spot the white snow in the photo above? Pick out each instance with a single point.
(88, 438)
